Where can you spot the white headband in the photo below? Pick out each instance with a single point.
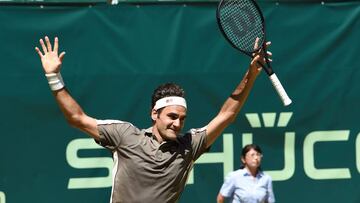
(168, 101)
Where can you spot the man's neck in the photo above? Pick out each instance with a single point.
(157, 135)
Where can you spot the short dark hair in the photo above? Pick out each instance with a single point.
(166, 90)
(248, 147)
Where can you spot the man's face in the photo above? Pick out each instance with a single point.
(169, 122)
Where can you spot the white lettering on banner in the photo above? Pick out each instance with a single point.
(247, 138)
(289, 160)
(87, 163)
(269, 121)
(309, 160)
(2, 197)
(226, 157)
(357, 147)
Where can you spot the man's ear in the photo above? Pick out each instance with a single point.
(154, 114)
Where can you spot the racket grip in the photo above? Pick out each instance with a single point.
(280, 89)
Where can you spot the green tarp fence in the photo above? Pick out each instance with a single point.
(116, 55)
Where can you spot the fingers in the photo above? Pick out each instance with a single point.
(43, 46)
(48, 44)
(257, 62)
(47, 47)
(61, 56)
(256, 45)
(256, 65)
(39, 52)
(267, 44)
(269, 55)
(261, 57)
(261, 50)
(56, 44)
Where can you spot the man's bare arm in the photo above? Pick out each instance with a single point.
(235, 102)
(51, 62)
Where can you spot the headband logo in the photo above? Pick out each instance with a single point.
(169, 100)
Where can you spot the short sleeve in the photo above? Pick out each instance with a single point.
(228, 187)
(111, 132)
(198, 142)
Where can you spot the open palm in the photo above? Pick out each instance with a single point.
(50, 59)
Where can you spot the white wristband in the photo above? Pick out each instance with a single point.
(55, 81)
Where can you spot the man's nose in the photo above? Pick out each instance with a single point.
(176, 123)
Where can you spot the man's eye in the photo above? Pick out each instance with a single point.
(173, 117)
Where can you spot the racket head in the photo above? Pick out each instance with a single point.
(241, 22)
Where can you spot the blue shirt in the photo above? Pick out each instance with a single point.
(242, 187)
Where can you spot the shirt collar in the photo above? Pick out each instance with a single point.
(247, 173)
(148, 132)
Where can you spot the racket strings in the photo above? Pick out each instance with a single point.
(242, 24)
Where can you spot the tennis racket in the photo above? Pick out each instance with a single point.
(242, 22)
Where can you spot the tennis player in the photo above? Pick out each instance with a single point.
(150, 165)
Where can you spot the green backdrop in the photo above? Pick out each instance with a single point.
(116, 56)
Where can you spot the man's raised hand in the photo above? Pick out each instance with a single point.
(50, 59)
